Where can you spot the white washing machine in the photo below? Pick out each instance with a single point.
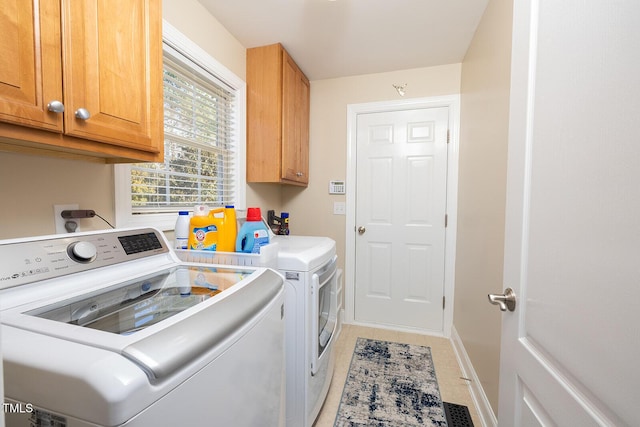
(309, 265)
(112, 329)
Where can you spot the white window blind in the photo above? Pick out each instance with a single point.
(200, 151)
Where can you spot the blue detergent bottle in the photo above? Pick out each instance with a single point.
(253, 234)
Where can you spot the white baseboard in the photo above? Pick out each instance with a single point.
(485, 412)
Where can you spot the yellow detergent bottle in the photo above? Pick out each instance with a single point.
(203, 230)
(227, 229)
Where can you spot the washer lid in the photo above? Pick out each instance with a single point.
(134, 305)
(304, 253)
(143, 318)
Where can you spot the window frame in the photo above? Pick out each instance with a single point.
(124, 217)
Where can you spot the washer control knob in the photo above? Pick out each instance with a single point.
(82, 251)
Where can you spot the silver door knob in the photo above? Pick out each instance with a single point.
(82, 114)
(55, 107)
(361, 230)
(506, 301)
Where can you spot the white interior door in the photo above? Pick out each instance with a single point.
(400, 218)
(570, 350)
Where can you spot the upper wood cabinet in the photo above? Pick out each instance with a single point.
(277, 117)
(30, 64)
(100, 61)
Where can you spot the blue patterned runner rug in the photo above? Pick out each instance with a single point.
(390, 384)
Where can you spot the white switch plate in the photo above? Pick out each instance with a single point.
(59, 221)
(339, 208)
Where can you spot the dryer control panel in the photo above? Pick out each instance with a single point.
(40, 258)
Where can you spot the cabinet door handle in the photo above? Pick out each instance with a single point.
(55, 107)
(82, 114)
(299, 174)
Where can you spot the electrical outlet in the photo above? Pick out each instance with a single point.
(339, 208)
(60, 222)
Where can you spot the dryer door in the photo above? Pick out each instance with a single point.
(324, 311)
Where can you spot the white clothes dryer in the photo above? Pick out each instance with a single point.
(309, 265)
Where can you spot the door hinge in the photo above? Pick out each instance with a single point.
(446, 220)
(443, 301)
(448, 136)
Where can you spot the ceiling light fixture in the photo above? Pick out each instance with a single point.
(400, 89)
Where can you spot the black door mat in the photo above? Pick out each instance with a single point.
(457, 415)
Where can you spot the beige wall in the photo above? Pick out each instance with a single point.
(482, 191)
(311, 209)
(31, 185)
(195, 22)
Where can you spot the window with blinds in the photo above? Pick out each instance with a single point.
(199, 147)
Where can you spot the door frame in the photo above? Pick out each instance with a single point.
(353, 110)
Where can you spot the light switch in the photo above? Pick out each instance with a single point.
(339, 208)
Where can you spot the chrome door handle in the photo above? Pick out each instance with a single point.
(82, 114)
(361, 230)
(55, 107)
(506, 301)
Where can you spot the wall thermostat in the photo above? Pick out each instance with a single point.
(336, 187)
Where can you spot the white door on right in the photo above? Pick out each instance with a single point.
(571, 349)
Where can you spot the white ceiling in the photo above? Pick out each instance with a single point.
(340, 38)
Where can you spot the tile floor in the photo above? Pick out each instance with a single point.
(453, 389)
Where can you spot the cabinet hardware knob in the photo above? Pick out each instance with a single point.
(55, 107)
(82, 114)
(299, 174)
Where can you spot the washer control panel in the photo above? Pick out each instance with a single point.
(35, 259)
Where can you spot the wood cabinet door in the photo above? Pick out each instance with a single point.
(113, 65)
(30, 63)
(264, 113)
(295, 123)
